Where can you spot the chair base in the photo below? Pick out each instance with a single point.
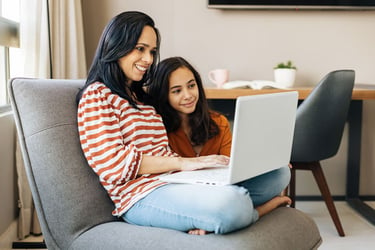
(317, 171)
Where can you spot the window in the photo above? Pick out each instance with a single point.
(3, 74)
(9, 43)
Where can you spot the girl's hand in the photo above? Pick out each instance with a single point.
(203, 162)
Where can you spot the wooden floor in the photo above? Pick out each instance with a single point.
(360, 234)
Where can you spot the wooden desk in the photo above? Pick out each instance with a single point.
(212, 93)
(224, 101)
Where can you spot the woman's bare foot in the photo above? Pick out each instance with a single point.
(273, 204)
(197, 232)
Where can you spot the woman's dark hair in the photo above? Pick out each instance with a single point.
(118, 39)
(200, 121)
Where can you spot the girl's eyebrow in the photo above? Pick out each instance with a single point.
(179, 85)
(175, 87)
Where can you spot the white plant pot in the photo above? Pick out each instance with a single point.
(285, 77)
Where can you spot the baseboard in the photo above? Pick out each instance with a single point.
(9, 236)
(334, 197)
(29, 245)
(9, 240)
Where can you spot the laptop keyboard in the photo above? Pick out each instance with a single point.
(213, 174)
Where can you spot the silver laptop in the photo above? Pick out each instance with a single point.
(262, 141)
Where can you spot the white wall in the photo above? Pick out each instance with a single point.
(8, 191)
(249, 43)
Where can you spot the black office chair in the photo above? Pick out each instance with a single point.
(319, 127)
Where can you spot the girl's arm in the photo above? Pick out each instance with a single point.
(226, 136)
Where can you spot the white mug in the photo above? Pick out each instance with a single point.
(218, 76)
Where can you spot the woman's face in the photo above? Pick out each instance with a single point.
(136, 63)
(183, 92)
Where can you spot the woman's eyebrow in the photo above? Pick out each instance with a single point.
(146, 45)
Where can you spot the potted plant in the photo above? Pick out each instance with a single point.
(285, 74)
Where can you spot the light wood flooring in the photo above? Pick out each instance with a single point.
(360, 234)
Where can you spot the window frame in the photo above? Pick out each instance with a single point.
(9, 37)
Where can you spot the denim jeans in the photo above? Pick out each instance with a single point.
(218, 209)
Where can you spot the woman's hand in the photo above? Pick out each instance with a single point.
(203, 162)
(163, 164)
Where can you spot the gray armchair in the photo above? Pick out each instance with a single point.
(75, 211)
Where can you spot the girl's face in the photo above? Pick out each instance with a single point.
(183, 91)
(136, 63)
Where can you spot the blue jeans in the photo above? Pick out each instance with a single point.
(218, 209)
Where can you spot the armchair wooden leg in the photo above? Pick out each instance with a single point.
(285, 192)
(322, 184)
(292, 187)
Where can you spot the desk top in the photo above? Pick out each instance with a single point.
(214, 93)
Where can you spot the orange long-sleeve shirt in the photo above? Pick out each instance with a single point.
(220, 144)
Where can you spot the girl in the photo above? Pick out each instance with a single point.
(195, 130)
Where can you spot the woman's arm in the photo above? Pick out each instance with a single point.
(111, 158)
(162, 164)
(102, 141)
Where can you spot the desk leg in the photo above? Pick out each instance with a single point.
(354, 161)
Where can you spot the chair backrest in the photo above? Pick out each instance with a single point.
(67, 194)
(321, 118)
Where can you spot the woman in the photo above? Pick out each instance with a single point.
(125, 141)
(195, 130)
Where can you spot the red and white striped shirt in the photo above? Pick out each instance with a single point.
(114, 137)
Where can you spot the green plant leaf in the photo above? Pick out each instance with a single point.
(287, 65)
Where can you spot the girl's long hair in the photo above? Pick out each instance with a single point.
(118, 39)
(202, 125)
